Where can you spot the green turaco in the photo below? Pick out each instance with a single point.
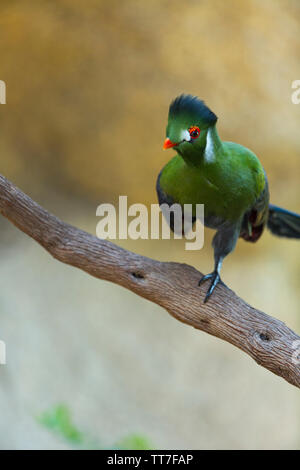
(226, 177)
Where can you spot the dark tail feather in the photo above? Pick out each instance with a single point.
(283, 223)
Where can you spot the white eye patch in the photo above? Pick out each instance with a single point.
(209, 152)
(185, 135)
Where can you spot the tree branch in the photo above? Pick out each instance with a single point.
(173, 286)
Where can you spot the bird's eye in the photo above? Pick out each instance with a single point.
(194, 132)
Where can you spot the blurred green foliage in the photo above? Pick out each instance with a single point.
(59, 420)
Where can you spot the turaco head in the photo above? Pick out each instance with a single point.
(188, 125)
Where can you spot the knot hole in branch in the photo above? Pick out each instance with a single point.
(265, 336)
(137, 275)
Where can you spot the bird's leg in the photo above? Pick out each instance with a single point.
(215, 278)
(223, 243)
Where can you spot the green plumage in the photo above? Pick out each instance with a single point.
(228, 186)
(226, 177)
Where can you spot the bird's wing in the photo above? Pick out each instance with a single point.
(166, 199)
(255, 219)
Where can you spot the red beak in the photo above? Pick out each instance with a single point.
(168, 144)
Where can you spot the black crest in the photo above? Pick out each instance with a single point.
(189, 104)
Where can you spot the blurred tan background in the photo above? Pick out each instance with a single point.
(88, 89)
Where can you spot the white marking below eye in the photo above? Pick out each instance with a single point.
(185, 135)
(209, 153)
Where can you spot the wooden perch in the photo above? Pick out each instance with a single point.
(173, 286)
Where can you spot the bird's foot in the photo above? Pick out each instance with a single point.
(215, 279)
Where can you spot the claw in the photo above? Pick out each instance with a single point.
(215, 277)
(204, 278)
